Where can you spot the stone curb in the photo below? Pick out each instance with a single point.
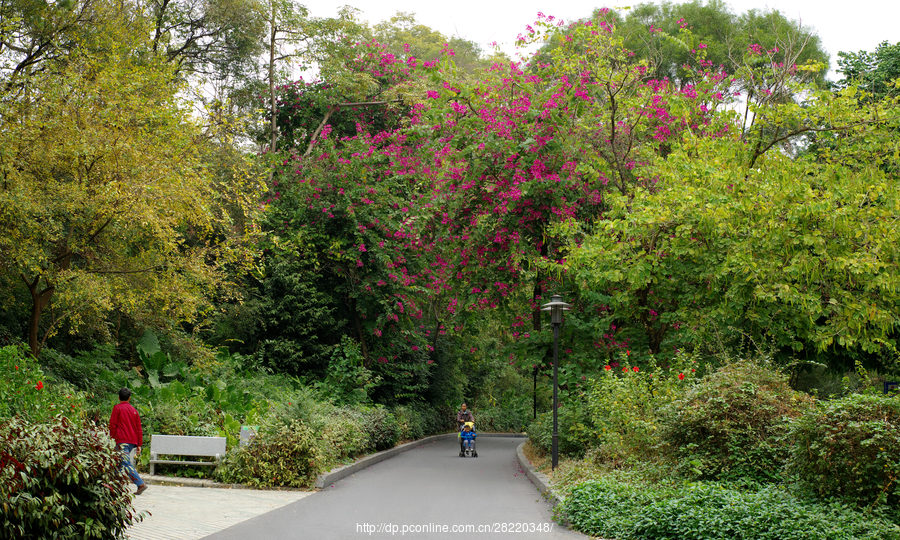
(539, 479)
(157, 480)
(332, 476)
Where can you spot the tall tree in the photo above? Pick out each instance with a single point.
(872, 72)
(33, 32)
(100, 184)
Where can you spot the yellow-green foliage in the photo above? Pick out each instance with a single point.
(105, 203)
(625, 404)
(734, 422)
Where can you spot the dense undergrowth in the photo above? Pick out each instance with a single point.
(295, 422)
(736, 453)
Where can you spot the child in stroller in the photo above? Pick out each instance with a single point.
(467, 440)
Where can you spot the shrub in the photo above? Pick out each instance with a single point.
(576, 432)
(850, 448)
(625, 406)
(733, 423)
(95, 371)
(419, 420)
(60, 480)
(343, 435)
(283, 455)
(27, 392)
(608, 508)
(410, 421)
(712, 511)
(382, 427)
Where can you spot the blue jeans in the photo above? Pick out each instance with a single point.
(468, 443)
(128, 465)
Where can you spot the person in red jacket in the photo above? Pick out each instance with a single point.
(125, 429)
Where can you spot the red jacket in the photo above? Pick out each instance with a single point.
(125, 425)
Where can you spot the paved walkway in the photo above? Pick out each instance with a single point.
(188, 513)
(426, 493)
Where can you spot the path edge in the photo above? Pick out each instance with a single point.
(539, 479)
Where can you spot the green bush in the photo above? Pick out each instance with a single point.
(343, 435)
(576, 431)
(420, 420)
(95, 371)
(625, 406)
(509, 419)
(608, 508)
(411, 422)
(26, 391)
(282, 455)
(61, 480)
(382, 427)
(850, 448)
(733, 423)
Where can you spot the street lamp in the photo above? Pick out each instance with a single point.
(555, 306)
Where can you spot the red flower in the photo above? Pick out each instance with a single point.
(625, 369)
(635, 369)
(607, 368)
(681, 376)
(693, 370)
(627, 352)
(39, 385)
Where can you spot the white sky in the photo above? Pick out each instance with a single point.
(845, 26)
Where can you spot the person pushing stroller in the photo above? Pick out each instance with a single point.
(463, 416)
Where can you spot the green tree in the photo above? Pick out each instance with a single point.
(405, 37)
(872, 72)
(101, 186)
(33, 32)
(800, 252)
(723, 35)
(215, 38)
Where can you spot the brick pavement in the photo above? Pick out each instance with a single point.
(187, 513)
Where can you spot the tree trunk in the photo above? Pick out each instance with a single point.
(273, 121)
(273, 113)
(39, 300)
(357, 325)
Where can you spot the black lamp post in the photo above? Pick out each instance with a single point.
(555, 306)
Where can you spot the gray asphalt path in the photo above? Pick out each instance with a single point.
(428, 492)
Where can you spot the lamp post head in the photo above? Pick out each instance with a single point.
(556, 306)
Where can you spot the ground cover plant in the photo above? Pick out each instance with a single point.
(614, 509)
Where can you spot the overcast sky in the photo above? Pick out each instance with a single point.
(845, 26)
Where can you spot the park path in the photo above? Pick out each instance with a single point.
(428, 492)
(190, 513)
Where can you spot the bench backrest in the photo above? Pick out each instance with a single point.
(186, 445)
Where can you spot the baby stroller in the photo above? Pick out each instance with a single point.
(467, 437)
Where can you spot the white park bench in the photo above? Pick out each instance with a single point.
(185, 445)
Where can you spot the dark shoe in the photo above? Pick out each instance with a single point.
(141, 488)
